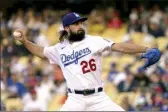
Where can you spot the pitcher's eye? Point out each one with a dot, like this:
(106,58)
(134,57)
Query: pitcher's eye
(77,23)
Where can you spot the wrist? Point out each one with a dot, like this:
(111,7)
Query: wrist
(24,41)
(147,49)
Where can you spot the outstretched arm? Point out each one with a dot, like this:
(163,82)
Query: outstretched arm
(33,48)
(152,55)
(128,48)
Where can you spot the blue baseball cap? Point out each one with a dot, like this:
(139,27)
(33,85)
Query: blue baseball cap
(71,18)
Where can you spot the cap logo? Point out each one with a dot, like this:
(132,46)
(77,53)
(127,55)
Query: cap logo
(76,15)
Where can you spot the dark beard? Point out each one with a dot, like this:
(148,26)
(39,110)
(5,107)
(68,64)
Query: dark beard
(74,37)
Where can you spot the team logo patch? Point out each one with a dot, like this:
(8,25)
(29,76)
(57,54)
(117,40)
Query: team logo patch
(74,57)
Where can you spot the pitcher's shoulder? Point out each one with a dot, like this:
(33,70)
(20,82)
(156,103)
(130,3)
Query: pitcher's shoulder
(93,38)
(87,36)
(59,45)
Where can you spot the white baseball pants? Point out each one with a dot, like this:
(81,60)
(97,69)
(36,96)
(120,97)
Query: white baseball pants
(94,102)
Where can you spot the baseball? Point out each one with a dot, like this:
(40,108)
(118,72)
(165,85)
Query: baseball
(16,34)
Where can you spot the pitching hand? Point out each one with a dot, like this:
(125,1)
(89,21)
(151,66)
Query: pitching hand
(19,35)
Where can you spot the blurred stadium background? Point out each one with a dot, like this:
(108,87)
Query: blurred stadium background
(30,83)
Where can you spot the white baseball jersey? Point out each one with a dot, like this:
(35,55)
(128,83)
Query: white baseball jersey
(80,61)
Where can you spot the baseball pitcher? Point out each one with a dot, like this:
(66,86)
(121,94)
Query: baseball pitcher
(79,56)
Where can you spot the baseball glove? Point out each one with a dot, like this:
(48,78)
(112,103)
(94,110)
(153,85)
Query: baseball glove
(152,56)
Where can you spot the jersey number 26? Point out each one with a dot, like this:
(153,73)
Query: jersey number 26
(88,66)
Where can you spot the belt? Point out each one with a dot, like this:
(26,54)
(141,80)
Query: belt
(85,91)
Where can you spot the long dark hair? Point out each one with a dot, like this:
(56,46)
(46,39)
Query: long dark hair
(63,34)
